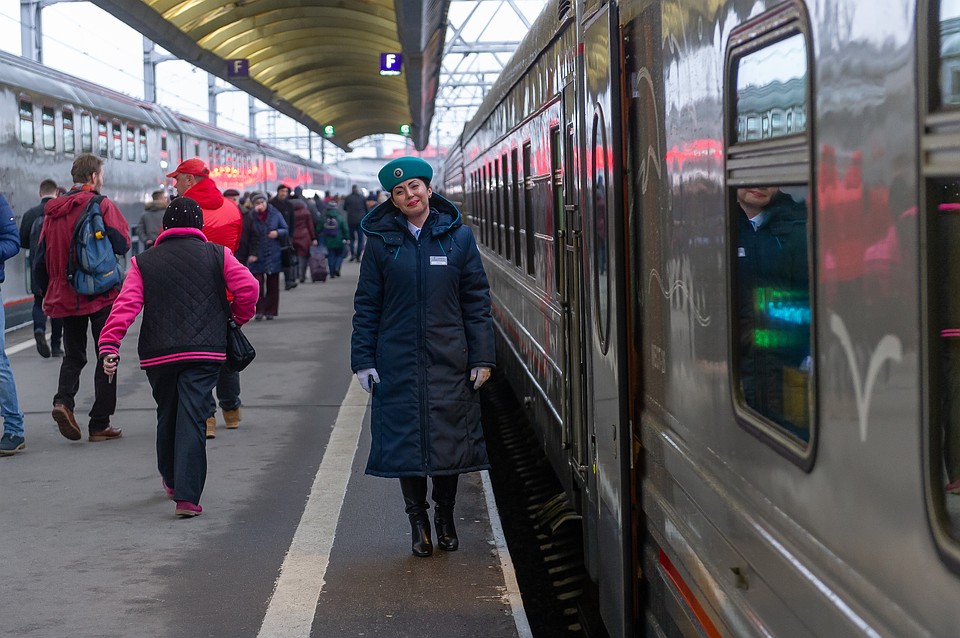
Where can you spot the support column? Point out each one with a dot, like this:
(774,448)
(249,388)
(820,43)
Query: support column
(31,30)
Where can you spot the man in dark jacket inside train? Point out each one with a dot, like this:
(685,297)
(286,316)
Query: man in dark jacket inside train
(222,224)
(774,303)
(423,345)
(60,217)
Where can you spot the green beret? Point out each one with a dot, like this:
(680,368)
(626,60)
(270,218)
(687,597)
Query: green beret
(402,169)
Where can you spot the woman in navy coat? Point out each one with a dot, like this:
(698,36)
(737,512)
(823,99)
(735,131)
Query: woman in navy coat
(423,345)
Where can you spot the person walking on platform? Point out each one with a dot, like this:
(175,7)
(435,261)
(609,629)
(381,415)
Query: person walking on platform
(61,301)
(335,236)
(267,228)
(12,440)
(222,224)
(423,367)
(179,285)
(282,203)
(30,227)
(303,236)
(152,218)
(355,207)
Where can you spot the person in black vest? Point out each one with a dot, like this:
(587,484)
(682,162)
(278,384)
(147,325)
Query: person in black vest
(30,227)
(179,284)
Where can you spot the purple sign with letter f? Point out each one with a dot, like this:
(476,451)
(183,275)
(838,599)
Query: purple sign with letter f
(238,68)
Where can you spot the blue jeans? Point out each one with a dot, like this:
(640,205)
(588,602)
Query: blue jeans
(9,404)
(357,239)
(228,391)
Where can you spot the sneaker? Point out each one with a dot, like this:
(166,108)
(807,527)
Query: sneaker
(186,509)
(167,489)
(11,444)
(42,346)
(258,318)
(66,421)
(212,427)
(270,317)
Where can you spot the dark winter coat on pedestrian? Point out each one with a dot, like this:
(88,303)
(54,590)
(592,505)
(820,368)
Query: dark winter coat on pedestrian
(29,240)
(266,250)
(422,319)
(303,233)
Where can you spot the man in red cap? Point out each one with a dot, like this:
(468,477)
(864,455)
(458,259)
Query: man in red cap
(222,224)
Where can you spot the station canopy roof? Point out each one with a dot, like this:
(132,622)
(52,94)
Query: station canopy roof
(316,61)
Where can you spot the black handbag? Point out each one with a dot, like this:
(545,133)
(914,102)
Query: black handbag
(240,352)
(287,257)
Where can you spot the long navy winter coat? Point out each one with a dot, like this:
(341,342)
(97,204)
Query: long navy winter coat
(266,250)
(422,319)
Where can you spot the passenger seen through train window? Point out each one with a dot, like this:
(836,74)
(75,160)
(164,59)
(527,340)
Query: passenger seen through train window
(773,293)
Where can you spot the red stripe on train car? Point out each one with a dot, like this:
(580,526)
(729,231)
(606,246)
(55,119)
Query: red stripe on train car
(14,302)
(708,627)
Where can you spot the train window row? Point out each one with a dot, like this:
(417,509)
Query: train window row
(109,140)
(501,198)
(768,176)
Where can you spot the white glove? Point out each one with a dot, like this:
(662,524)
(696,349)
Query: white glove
(367,377)
(479,376)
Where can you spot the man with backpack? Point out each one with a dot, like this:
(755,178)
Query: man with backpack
(71,233)
(30,227)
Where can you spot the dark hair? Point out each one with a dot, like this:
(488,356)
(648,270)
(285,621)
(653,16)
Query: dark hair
(48,187)
(85,167)
(156,195)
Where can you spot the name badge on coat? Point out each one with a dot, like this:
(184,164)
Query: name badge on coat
(438,261)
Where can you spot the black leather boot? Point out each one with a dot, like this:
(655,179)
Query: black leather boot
(446,530)
(420,532)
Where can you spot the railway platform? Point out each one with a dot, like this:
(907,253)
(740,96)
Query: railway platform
(294,541)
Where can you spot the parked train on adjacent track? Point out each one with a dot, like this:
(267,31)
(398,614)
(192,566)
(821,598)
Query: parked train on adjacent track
(47,118)
(601,176)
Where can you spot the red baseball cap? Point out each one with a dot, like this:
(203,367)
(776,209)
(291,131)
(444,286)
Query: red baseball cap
(192,166)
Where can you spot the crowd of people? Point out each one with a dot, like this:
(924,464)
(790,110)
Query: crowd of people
(208,259)
(242,243)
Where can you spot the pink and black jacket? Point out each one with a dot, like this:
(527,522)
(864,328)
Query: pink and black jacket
(178,287)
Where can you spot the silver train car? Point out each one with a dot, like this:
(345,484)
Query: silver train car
(746,459)
(47,118)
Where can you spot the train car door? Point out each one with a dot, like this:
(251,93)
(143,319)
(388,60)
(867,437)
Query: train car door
(608,542)
(571,278)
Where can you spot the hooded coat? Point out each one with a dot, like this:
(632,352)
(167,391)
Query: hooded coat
(222,220)
(60,216)
(422,319)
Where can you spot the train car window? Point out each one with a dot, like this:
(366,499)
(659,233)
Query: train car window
(556,184)
(103,144)
(947,56)
(497,208)
(517,214)
(117,140)
(86,133)
(770,223)
(163,141)
(49,130)
(26,123)
(599,186)
(69,141)
(196,148)
(131,143)
(528,209)
(508,213)
(143,144)
(772,82)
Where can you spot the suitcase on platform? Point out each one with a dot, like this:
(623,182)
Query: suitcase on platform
(318,264)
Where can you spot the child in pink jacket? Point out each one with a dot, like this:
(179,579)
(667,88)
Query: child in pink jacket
(178,284)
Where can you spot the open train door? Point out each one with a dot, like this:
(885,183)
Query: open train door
(607,536)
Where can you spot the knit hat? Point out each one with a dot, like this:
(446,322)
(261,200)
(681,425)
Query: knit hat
(402,169)
(183,212)
(257,196)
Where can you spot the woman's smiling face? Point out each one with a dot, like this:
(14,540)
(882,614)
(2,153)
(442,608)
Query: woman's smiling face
(412,197)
